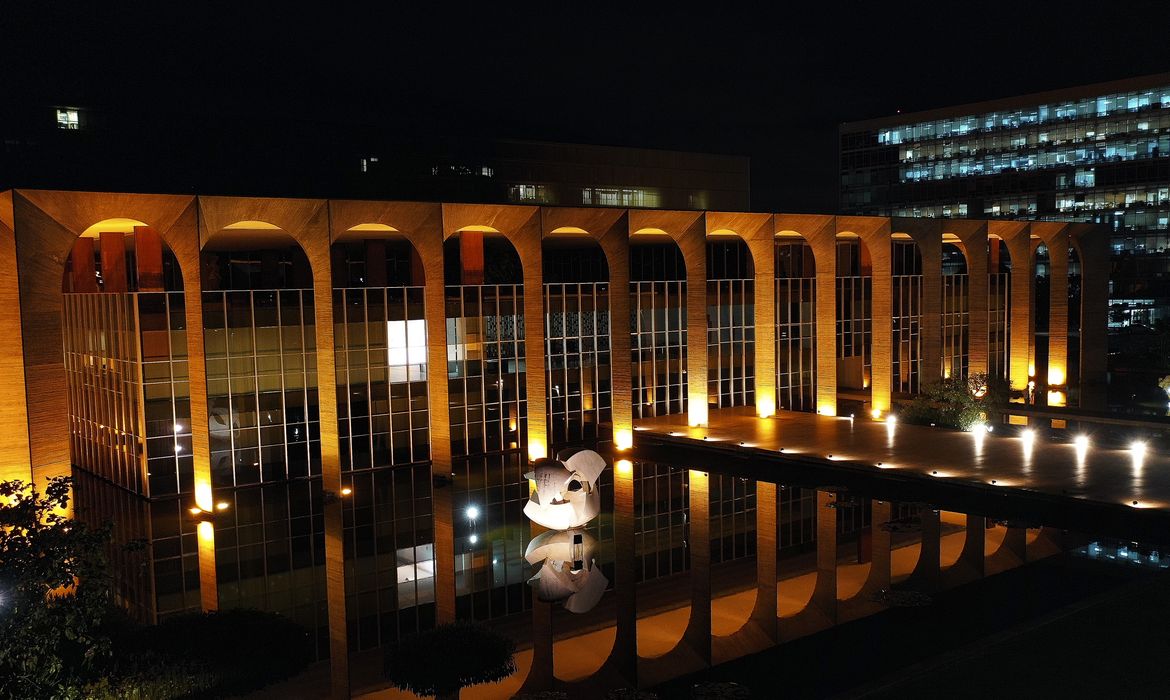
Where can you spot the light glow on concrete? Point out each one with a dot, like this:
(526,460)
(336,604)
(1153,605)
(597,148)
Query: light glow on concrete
(623,439)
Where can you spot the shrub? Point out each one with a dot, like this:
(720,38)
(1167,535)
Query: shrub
(958,403)
(448,658)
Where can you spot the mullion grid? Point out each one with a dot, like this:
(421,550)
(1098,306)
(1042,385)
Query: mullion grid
(906,319)
(854,310)
(265,472)
(567,423)
(955,325)
(98,332)
(504,397)
(999,324)
(730,343)
(659,355)
(661,510)
(733,517)
(795,331)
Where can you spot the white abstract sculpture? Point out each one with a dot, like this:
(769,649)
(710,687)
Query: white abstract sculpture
(566,493)
(569,573)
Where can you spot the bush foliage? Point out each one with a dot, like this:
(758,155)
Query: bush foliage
(61,637)
(959,403)
(449,657)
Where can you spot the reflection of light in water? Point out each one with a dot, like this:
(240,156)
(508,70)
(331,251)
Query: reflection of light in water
(1137,449)
(978,433)
(891,426)
(1081,442)
(472,512)
(1028,441)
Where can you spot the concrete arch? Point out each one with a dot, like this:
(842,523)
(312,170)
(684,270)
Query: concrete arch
(306,221)
(757,231)
(35,255)
(688,230)
(872,262)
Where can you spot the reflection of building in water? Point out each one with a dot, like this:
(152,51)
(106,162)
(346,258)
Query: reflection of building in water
(327,408)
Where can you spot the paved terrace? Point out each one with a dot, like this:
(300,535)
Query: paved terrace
(1052,483)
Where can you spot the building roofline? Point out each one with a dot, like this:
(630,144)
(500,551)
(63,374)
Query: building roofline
(1015,101)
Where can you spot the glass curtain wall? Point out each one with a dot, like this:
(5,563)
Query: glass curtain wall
(658,329)
(796,326)
(906,266)
(383,427)
(854,314)
(731,377)
(577,343)
(260,341)
(485,376)
(955,315)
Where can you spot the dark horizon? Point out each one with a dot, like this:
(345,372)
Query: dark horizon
(771,87)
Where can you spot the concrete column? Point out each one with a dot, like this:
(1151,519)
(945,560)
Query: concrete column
(973,237)
(970,566)
(698,632)
(625,645)
(880,546)
(1092,244)
(767,545)
(1058,243)
(874,233)
(1015,235)
(926,570)
(694,246)
(824,597)
(927,235)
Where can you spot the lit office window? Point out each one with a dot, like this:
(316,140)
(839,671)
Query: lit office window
(68,118)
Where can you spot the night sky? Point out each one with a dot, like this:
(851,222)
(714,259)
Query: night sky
(770,85)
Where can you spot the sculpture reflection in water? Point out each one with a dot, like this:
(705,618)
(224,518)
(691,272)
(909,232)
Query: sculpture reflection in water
(565,499)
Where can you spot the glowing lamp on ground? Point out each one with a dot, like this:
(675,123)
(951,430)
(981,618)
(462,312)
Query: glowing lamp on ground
(765,406)
(876,413)
(1055,376)
(827,410)
(697,414)
(623,439)
(203,497)
(536,449)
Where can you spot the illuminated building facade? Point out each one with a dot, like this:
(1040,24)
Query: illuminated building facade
(1096,153)
(326,408)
